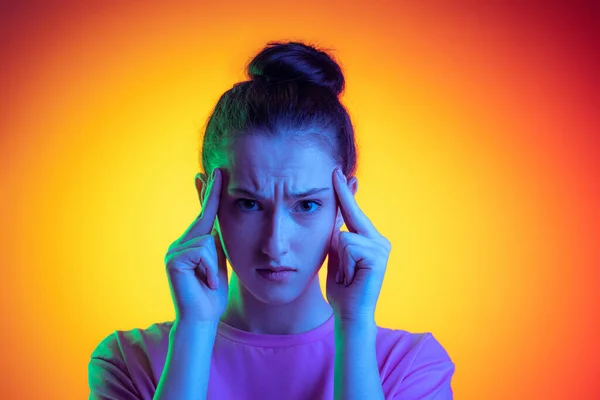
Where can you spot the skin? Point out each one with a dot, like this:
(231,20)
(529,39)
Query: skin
(270,227)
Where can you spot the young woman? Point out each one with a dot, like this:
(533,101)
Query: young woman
(279,158)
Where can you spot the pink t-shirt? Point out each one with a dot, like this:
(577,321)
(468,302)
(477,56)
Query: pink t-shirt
(127,365)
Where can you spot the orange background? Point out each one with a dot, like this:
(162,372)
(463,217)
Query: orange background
(478,129)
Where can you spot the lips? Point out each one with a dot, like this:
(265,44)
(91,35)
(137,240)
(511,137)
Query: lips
(277,269)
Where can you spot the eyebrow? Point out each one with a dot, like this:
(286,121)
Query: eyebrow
(299,195)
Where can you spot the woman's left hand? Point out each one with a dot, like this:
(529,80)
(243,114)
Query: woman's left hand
(357,260)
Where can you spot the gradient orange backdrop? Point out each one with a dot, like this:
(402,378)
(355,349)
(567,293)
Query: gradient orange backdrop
(479,159)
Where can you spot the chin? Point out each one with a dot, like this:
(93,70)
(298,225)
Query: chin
(273,295)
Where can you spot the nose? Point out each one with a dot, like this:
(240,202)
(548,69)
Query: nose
(276,245)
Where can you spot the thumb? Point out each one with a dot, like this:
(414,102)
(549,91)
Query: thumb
(332,256)
(221,257)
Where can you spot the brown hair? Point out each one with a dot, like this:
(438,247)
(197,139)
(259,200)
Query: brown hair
(293,91)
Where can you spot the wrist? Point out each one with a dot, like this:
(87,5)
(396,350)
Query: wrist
(356,327)
(195,327)
(355,321)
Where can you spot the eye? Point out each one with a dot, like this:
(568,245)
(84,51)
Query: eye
(306,206)
(246,204)
(309,209)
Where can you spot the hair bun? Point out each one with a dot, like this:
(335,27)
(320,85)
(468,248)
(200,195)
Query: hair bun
(293,61)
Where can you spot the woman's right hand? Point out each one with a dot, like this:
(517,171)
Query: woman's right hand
(196,265)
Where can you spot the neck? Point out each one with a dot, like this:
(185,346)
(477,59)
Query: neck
(247,313)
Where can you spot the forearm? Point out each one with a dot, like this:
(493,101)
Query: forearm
(356,374)
(186,372)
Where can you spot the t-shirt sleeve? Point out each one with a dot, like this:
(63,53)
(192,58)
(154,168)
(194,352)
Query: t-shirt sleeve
(108,378)
(430,373)
(414,366)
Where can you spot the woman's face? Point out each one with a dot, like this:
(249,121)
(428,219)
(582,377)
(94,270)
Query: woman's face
(267,219)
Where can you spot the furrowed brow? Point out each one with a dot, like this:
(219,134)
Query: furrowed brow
(299,195)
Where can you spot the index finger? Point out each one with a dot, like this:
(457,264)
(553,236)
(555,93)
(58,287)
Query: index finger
(354,217)
(203,224)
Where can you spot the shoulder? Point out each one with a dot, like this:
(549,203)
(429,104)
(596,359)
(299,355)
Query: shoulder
(413,362)
(128,363)
(123,343)
(404,343)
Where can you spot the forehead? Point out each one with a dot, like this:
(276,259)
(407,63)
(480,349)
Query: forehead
(262,161)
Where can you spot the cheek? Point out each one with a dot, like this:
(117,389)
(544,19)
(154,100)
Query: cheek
(314,238)
(236,237)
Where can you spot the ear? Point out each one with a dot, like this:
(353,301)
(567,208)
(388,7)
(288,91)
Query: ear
(201,183)
(353,185)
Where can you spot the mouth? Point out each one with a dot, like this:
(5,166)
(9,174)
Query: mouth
(277,275)
(277,269)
